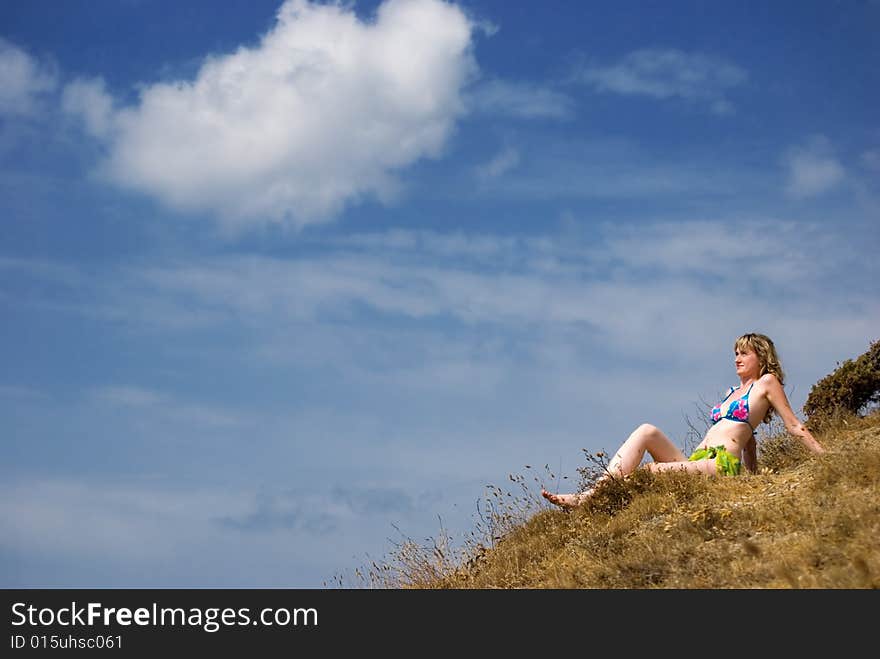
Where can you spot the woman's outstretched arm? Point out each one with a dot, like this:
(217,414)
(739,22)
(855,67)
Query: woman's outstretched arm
(779,401)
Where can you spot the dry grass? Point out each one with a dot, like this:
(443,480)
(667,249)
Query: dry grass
(802,522)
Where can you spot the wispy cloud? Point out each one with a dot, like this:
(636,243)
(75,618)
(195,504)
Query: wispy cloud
(605,168)
(378,500)
(155,534)
(24,81)
(667,73)
(612,282)
(501,163)
(324,111)
(318,513)
(524,100)
(89,100)
(285,511)
(812,169)
(100,519)
(164,406)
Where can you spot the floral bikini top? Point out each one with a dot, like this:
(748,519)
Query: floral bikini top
(737,411)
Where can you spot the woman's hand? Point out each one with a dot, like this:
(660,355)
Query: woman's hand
(777,398)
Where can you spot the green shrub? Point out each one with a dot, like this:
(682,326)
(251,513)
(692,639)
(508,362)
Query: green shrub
(853,386)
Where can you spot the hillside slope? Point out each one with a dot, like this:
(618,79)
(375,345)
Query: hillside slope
(803,522)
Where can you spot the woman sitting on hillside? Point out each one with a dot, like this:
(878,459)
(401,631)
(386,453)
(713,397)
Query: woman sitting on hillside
(730,440)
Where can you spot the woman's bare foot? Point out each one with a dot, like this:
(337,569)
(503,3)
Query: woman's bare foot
(565,500)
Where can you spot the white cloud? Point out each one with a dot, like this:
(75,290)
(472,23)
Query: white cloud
(373,306)
(23,80)
(503,162)
(520,99)
(812,169)
(165,406)
(593,278)
(319,513)
(105,520)
(668,73)
(488,28)
(611,168)
(89,100)
(325,110)
(671,277)
(695,249)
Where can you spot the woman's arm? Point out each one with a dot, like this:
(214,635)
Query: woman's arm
(777,398)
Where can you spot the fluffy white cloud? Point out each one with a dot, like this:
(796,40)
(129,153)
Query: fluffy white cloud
(812,169)
(22,81)
(667,73)
(323,111)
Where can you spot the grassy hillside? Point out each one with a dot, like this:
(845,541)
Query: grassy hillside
(803,522)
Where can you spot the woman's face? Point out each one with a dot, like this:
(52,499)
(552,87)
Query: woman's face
(747,363)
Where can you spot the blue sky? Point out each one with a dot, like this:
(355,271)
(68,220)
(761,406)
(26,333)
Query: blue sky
(277,280)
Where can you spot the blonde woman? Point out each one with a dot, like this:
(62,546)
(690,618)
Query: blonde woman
(730,441)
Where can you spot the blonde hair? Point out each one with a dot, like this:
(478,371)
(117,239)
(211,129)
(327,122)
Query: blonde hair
(768,358)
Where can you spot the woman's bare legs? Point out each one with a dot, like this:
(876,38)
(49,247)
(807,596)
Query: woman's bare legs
(628,458)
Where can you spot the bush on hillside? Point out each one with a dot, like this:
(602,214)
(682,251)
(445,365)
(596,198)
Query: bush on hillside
(853,386)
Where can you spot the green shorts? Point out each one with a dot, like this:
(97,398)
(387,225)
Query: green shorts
(725,463)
